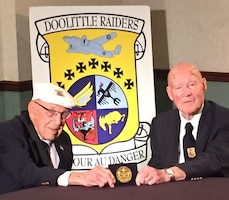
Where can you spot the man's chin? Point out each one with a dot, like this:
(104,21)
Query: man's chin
(53,136)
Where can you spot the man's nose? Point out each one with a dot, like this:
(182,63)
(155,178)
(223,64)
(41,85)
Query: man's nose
(186,91)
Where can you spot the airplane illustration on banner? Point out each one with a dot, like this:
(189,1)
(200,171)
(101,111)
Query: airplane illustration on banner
(85,46)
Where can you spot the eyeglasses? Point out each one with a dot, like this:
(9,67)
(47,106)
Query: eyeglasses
(54,113)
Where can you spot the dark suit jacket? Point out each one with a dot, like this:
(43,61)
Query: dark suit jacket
(23,160)
(212,144)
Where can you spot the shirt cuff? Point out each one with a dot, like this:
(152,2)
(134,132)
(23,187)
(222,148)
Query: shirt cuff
(63,179)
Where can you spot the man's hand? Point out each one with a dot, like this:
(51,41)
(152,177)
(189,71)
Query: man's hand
(97,176)
(150,176)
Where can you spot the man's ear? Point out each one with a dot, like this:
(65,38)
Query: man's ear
(31,109)
(204,84)
(169,93)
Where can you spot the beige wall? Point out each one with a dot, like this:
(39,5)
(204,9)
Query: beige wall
(8,43)
(196,31)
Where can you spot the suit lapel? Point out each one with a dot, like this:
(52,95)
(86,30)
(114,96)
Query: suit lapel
(170,137)
(38,143)
(204,127)
(175,129)
(38,150)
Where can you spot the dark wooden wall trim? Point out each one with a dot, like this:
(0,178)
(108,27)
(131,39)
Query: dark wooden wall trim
(15,86)
(159,73)
(210,76)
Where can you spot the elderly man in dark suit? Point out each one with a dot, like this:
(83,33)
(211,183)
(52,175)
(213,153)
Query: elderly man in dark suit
(24,161)
(207,154)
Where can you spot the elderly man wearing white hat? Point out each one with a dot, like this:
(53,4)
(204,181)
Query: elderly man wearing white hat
(24,161)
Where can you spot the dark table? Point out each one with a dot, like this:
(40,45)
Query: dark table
(205,189)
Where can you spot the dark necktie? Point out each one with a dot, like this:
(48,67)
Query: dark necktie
(47,149)
(189,143)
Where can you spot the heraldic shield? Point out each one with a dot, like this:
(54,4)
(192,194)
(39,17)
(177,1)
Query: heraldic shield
(97,66)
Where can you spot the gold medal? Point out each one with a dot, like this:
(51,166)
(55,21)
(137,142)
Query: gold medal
(124,174)
(191,152)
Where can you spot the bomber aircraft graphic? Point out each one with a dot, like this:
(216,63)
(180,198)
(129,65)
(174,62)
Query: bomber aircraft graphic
(95,46)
